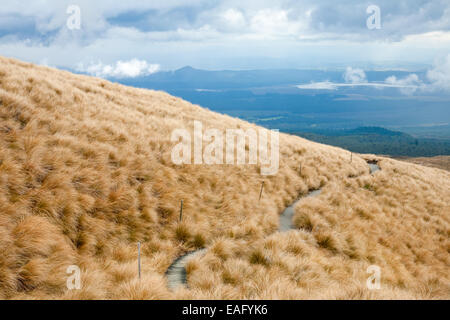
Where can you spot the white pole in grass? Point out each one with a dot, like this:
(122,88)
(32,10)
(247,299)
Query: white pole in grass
(139,260)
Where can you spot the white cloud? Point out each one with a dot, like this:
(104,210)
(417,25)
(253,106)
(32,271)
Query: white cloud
(411,79)
(355,75)
(438,80)
(121,69)
(439,76)
(275,23)
(357,78)
(327,85)
(225,34)
(324,85)
(234,18)
(408,85)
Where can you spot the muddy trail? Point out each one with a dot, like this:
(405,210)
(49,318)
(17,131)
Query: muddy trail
(176,273)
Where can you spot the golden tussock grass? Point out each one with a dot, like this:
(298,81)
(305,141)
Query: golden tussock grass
(441,162)
(86,173)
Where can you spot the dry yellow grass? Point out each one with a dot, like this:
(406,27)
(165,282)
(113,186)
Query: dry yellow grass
(441,162)
(86,173)
(396,219)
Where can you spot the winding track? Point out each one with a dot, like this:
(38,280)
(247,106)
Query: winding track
(176,273)
(288,213)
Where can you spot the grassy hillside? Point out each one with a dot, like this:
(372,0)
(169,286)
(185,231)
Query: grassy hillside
(86,173)
(441,162)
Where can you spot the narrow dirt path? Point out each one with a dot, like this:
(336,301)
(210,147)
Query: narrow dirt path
(374,168)
(176,273)
(288,213)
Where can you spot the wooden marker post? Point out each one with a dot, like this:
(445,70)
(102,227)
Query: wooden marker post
(181,211)
(260,193)
(139,260)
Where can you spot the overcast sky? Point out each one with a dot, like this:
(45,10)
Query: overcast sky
(213,34)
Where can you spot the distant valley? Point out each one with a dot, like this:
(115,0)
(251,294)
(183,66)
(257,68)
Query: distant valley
(272,98)
(381,141)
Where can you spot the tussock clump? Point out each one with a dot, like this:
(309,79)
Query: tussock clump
(149,287)
(304,221)
(258,257)
(182,233)
(327,240)
(199,241)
